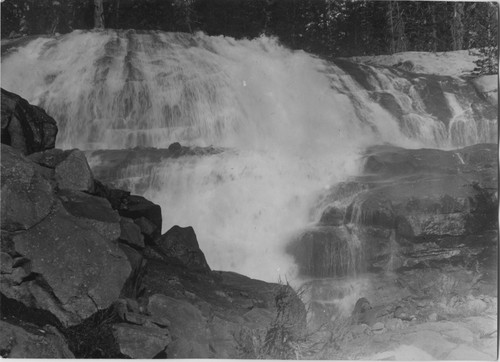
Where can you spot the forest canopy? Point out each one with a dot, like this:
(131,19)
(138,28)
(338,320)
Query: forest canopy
(330,28)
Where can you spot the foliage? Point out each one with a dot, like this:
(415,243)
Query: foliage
(325,27)
(288,337)
(93,338)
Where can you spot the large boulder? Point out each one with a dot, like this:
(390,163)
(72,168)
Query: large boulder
(29,341)
(144,342)
(26,127)
(188,327)
(69,169)
(92,212)
(27,198)
(144,213)
(82,271)
(181,245)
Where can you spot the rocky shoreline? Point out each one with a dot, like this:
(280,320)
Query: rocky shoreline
(87,272)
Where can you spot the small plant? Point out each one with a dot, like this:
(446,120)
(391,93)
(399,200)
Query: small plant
(93,338)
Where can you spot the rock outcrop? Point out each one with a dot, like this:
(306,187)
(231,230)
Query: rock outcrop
(26,340)
(26,127)
(62,241)
(411,208)
(86,272)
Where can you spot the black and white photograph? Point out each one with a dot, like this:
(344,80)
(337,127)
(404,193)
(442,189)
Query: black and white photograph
(249,179)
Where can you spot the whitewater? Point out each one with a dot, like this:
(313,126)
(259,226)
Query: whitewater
(290,125)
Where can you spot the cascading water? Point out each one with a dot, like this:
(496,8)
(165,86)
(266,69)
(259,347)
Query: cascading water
(289,124)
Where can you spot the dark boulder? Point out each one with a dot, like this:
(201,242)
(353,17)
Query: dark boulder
(70,168)
(181,244)
(26,127)
(27,197)
(92,212)
(76,271)
(131,233)
(141,341)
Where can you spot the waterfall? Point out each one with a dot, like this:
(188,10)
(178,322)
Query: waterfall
(289,124)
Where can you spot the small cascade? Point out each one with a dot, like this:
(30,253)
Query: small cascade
(442,112)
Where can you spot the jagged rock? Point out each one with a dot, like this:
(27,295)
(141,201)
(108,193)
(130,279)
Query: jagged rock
(27,198)
(74,172)
(147,228)
(92,212)
(84,271)
(142,342)
(25,127)
(29,341)
(181,244)
(70,168)
(188,327)
(131,233)
(137,206)
(332,216)
(50,158)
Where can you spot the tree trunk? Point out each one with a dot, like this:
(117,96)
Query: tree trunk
(457,26)
(98,14)
(391,27)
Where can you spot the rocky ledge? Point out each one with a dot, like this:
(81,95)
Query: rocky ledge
(410,209)
(86,271)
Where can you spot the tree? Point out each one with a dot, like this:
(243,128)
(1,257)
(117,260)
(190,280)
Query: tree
(98,14)
(457,26)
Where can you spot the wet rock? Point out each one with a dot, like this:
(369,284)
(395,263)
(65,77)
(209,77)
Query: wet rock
(332,216)
(326,251)
(378,328)
(27,198)
(410,209)
(143,342)
(28,341)
(175,147)
(182,244)
(25,127)
(84,280)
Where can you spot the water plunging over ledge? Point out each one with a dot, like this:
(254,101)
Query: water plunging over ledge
(290,124)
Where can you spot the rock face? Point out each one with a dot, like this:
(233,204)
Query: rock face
(27,197)
(69,169)
(64,255)
(181,245)
(28,341)
(25,127)
(410,209)
(84,266)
